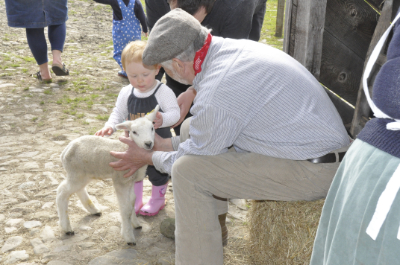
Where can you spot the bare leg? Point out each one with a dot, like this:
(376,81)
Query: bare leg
(44,71)
(56,57)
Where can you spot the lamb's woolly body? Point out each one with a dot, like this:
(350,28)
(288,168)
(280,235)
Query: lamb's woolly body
(88,158)
(91,155)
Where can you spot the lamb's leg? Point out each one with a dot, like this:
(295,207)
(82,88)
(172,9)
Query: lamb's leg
(87,202)
(134,219)
(64,191)
(125,208)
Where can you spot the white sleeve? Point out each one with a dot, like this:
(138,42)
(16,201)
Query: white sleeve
(169,105)
(120,111)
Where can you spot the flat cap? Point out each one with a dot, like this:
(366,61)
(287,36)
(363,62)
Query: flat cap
(170,36)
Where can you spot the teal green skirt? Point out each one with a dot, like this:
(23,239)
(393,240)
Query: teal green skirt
(351,203)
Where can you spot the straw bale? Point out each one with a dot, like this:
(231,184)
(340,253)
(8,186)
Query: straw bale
(283,232)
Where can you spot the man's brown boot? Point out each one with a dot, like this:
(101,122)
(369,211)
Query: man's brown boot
(224,229)
(167,228)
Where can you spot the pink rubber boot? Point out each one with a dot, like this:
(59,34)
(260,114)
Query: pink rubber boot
(138,188)
(156,202)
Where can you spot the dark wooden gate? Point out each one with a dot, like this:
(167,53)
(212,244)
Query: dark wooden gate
(334,39)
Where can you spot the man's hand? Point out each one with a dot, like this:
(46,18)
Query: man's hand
(133,158)
(185,100)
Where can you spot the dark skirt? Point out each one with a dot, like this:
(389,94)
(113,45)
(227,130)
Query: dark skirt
(36,13)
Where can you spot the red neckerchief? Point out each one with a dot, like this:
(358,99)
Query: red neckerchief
(201,54)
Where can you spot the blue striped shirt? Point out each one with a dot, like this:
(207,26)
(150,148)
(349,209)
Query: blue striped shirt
(258,99)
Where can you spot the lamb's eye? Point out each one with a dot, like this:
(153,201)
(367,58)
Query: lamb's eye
(134,132)
(152,129)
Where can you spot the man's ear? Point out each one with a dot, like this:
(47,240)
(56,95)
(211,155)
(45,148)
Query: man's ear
(178,66)
(158,68)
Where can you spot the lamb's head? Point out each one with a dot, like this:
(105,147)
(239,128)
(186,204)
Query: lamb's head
(141,130)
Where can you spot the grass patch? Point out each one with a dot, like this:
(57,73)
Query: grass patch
(269,25)
(27,59)
(103,117)
(69,112)
(106,44)
(48,92)
(92,131)
(112,95)
(62,82)
(34,119)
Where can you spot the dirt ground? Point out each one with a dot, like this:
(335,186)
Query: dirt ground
(37,121)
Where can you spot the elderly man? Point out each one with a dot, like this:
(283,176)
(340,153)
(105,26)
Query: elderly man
(236,19)
(262,128)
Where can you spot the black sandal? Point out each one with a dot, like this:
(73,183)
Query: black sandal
(39,77)
(59,69)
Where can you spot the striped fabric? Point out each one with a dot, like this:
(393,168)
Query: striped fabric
(260,100)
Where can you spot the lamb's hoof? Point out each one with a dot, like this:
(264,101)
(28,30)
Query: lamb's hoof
(139,227)
(70,233)
(97,214)
(132,244)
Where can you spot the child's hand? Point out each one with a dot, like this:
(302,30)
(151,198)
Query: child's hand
(158,121)
(145,33)
(104,131)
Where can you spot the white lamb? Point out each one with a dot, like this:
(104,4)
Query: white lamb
(88,157)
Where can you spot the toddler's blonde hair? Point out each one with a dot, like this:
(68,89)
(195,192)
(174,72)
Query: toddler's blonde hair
(133,52)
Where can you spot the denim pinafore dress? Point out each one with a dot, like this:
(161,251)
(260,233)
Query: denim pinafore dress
(125,30)
(138,107)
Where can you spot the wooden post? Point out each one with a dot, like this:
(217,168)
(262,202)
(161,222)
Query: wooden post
(363,111)
(306,26)
(279,18)
(289,34)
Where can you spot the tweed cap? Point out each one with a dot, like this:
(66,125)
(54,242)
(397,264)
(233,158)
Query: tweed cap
(170,36)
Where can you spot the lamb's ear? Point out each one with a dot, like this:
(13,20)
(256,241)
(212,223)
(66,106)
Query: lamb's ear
(152,115)
(126,125)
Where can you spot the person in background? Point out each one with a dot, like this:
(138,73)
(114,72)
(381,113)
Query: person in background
(34,16)
(236,19)
(262,128)
(135,100)
(360,220)
(128,15)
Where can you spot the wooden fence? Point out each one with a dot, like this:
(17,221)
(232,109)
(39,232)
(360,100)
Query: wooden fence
(333,39)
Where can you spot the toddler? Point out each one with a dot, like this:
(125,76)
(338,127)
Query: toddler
(127,17)
(135,100)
